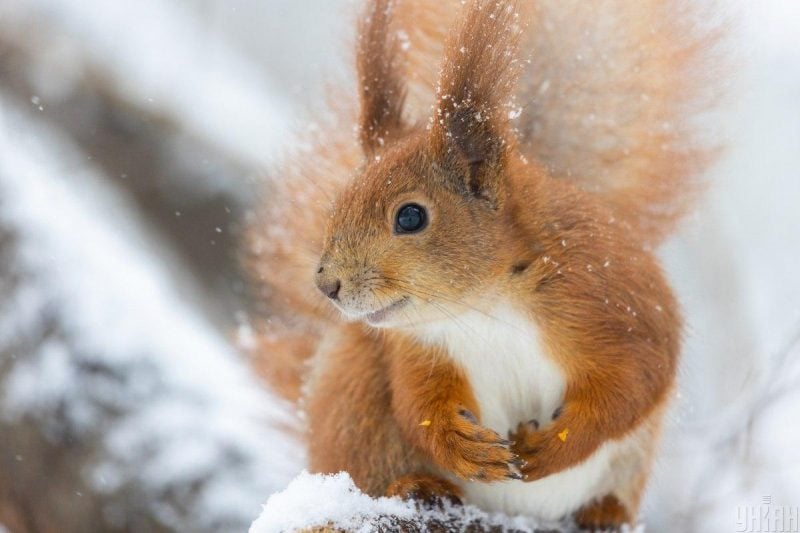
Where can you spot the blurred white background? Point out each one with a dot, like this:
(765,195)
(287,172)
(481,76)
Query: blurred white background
(133,138)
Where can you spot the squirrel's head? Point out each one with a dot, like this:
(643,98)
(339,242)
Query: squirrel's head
(416,235)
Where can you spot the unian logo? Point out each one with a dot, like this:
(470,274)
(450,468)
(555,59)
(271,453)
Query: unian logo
(768,517)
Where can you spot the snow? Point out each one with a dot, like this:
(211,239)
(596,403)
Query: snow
(333,500)
(316,500)
(127,342)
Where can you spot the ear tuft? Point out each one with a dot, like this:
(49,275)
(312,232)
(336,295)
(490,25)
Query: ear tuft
(380,74)
(470,126)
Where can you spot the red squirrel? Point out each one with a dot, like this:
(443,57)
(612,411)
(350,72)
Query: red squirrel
(466,302)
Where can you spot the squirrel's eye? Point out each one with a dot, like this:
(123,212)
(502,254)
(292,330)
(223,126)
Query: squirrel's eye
(411,218)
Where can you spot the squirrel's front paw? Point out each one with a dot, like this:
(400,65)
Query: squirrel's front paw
(459,444)
(536,449)
(550,450)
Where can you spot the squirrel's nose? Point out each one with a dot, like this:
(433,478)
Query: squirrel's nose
(330,288)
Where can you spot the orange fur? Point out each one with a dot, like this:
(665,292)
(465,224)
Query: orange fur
(355,368)
(551,215)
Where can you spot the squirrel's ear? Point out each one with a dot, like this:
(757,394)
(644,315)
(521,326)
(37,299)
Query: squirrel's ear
(469,131)
(379,62)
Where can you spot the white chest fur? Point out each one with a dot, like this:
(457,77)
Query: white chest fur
(514,381)
(501,353)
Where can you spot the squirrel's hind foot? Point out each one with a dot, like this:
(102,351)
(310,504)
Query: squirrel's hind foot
(606,514)
(425,488)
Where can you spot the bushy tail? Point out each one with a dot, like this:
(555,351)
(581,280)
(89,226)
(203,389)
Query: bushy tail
(615,89)
(609,97)
(283,246)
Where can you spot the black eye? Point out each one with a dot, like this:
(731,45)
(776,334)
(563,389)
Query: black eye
(411,218)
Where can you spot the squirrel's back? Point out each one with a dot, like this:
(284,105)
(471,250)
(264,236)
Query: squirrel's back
(609,97)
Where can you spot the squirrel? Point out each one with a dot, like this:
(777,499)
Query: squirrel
(465,298)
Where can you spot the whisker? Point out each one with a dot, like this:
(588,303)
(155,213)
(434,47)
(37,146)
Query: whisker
(450,315)
(425,294)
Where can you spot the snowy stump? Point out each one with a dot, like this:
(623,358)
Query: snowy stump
(332,503)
